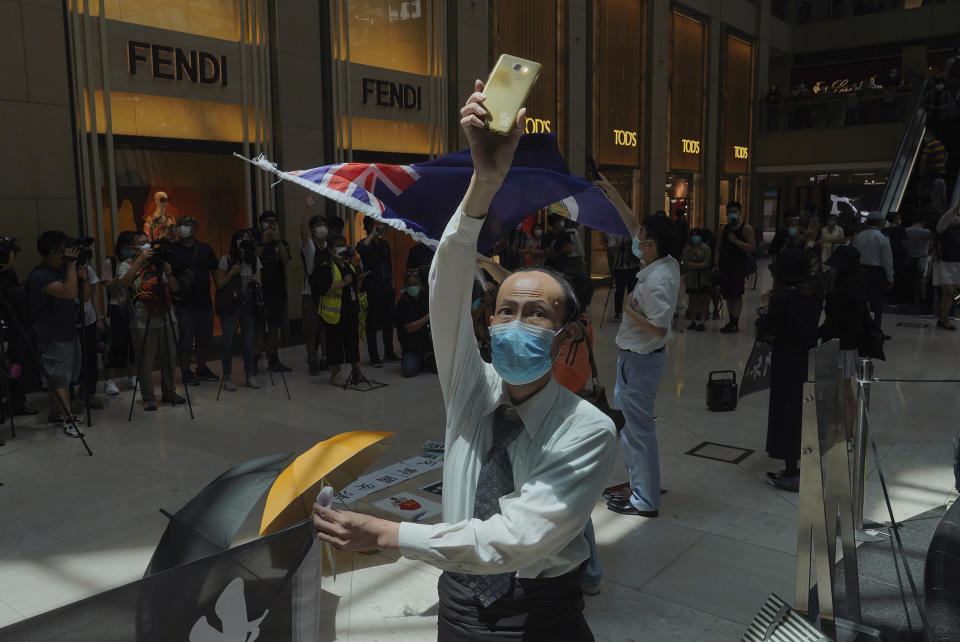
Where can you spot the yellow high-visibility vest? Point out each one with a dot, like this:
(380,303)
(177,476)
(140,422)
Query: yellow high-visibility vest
(330,303)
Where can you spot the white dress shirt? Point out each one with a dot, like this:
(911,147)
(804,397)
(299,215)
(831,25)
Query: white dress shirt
(655,297)
(561,460)
(875,250)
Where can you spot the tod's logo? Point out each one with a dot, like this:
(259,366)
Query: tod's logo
(690,146)
(537,126)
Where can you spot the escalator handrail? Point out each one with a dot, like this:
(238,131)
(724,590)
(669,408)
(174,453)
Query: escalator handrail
(897,181)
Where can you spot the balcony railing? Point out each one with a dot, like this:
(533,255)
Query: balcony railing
(862,106)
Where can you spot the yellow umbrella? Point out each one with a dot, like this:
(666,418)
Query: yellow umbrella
(337,462)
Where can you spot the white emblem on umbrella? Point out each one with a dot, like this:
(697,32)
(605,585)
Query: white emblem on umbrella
(231,608)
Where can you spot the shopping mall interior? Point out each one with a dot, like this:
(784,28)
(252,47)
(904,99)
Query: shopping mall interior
(770,130)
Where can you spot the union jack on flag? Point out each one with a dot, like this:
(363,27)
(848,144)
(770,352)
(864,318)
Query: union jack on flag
(419,199)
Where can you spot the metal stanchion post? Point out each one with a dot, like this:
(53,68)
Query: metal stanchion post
(864,379)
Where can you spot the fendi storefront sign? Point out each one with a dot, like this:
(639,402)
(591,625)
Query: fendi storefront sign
(388,94)
(173,63)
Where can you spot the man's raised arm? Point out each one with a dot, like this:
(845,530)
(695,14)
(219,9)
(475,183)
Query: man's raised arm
(451,274)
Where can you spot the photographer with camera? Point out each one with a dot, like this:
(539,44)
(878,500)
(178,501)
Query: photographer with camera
(91,326)
(120,353)
(15,348)
(150,282)
(375,254)
(238,293)
(313,250)
(193,261)
(53,291)
(340,309)
(274,253)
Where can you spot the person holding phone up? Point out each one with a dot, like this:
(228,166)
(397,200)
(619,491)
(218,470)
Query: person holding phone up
(526,458)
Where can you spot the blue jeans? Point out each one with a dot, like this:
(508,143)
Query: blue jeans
(413,362)
(228,324)
(593,573)
(638,377)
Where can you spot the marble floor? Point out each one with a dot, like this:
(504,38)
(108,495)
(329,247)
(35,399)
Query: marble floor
(76,525)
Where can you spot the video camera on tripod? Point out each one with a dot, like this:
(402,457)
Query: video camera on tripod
(84,245)
(162,251)
(8,244)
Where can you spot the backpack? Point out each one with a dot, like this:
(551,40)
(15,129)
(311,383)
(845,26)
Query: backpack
(145,290)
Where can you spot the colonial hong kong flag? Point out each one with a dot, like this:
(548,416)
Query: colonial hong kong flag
(419,199)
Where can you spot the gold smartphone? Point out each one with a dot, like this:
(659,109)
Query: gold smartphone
(507,90)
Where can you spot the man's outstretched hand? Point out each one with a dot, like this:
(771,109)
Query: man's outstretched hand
(349,531)
(492,152)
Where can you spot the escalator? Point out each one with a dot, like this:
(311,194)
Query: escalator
(903,189)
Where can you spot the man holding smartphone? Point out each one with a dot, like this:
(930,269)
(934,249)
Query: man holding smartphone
(526,458)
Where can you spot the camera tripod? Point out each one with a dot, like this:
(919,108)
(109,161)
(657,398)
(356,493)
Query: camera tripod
(5,375)
(253,292)
(168,334)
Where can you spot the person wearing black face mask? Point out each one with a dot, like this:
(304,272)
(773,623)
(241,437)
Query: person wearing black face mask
(731,260)
(413,329)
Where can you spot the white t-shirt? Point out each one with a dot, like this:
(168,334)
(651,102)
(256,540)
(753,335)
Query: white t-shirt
(835,235)
(655,297)
(309,250)
(246,270)
(89,311)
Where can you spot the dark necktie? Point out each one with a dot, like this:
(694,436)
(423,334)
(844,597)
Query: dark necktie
(495,481)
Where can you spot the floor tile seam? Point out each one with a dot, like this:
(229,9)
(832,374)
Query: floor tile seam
(724,617)
(766,548)
(674,558)
(733,507)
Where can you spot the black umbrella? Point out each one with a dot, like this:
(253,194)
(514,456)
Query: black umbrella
(244,593)
(207,524)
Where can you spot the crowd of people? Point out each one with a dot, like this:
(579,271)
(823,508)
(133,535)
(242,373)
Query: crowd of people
(155,300)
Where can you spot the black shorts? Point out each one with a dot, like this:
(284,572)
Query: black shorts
(732,283)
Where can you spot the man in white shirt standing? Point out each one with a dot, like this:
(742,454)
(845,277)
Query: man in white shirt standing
(526,459)
(876,257)
(642,339)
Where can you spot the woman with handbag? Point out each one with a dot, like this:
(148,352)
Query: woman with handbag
(235,305)
(790,324)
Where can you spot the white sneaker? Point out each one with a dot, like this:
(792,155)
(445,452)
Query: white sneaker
(71,429)
(339,380)
(110,388)
(229,385)
(252,382)
(132,382)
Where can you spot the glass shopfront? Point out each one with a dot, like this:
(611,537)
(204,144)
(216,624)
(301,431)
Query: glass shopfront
(533,29)
(686,147)
(166,95)
(389,76)
(618,27)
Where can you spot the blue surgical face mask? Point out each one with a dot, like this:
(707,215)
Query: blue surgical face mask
(695,240)
(733,217)
(521,352)
(413,290)
(637,252)
(125,253)
(792,231)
